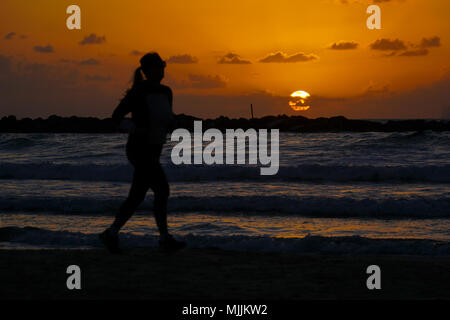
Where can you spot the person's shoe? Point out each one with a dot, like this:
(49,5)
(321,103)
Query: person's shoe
(110,241)
(171,245)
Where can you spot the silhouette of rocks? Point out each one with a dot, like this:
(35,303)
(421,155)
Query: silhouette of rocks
(74,124)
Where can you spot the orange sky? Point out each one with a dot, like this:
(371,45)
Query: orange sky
(362,82)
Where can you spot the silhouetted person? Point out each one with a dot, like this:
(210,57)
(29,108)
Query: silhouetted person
(150,104)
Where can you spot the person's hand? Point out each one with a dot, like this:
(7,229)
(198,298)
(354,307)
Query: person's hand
(126,125)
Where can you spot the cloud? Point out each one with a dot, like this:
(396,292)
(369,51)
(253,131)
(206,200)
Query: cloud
(343,45)
(414,53)
(398,45)
(233,106)
(280,57)
(232,58)
(378,102)
(88,62)
(44,49)
(207,81)
(430,42)
(182,59)
(388,44)
(376,89)
(5,65)
(10,35)
(97,77)
(428,101)
(197,81)
(136,53)
(38,90)
(92,39)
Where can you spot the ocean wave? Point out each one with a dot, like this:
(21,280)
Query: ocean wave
(14,236)
(405,140)
(311,206)
(199,173)
(407,144)
(14,144)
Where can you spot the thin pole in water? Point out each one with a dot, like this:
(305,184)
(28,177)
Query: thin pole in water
(251,108)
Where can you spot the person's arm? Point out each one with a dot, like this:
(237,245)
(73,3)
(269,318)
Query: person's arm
(125,106)
(170,95)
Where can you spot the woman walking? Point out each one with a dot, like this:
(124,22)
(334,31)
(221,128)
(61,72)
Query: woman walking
(150,105)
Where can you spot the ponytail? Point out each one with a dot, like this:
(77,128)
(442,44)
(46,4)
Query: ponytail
(138,77)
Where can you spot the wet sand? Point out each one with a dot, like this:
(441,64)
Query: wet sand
(214,274)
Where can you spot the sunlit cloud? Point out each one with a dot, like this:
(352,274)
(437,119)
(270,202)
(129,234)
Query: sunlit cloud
(197,81)
(50,89)
(430,42)
(280,57)
(87,62)
(343,45)
(182,59)
(9,35)
(92,39)
(136,53)
(414,53)
(388,44)
(207,82)
(44,49)
(232,58)
(99,78)
(414,50)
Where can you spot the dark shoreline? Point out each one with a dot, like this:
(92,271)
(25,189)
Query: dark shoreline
(214,274)
(74,124)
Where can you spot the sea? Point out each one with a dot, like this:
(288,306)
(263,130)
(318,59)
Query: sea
(338,193)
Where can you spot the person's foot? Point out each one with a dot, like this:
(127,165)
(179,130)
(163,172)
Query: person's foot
(110,241)
(169,244)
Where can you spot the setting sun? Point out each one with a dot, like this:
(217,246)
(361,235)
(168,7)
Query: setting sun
(299,101)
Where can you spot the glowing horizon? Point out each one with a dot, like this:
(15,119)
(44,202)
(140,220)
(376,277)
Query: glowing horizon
(219,61)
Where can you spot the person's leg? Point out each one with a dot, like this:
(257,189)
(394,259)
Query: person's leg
(160,187)
(139,187)
(136,196)
(161,190)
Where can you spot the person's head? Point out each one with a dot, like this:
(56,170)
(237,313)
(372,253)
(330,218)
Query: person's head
(152,66)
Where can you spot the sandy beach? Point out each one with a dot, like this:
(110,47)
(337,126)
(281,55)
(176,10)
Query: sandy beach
(214,274)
